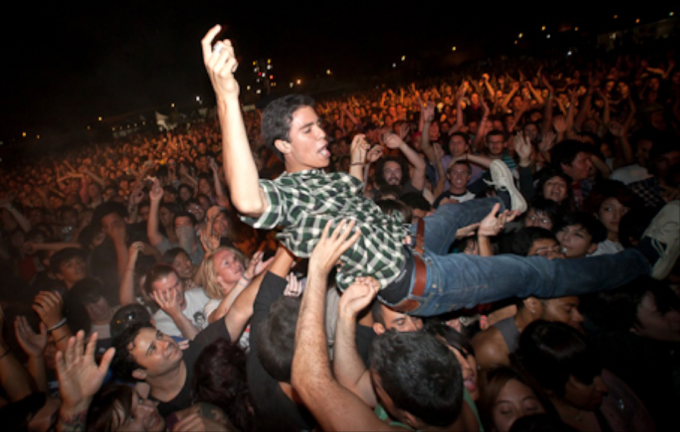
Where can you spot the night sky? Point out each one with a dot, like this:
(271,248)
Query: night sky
(65,65)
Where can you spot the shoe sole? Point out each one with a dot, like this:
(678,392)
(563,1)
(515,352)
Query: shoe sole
(502,177)
(669,214)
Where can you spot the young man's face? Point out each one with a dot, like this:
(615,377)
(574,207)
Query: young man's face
(397,321)
(459,176)
(564,310)
(576,241)
(172,285)
(155,352)
(392,173)
(308,148)
(580,168)
(72,270)
(496,144)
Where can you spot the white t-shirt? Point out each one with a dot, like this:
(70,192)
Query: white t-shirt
(607,247)
(196,300)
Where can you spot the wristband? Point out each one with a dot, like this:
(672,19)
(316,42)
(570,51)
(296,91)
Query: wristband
(57,325)
(246,279)
(357,163)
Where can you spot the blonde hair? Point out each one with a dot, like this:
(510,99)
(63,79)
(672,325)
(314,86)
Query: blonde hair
(206,276)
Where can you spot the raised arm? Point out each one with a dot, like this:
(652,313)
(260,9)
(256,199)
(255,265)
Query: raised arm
(239,167)
(348,367)
(333,406)
(155,196)
(418,179)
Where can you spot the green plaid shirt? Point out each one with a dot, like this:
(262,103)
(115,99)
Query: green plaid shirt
(302,203)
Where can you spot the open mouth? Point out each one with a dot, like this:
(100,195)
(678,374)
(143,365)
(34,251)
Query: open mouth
(325,152)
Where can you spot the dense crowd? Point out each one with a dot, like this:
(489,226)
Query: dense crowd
(140,292)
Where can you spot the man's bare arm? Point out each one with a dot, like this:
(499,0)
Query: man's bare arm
(333,406)
(239,167)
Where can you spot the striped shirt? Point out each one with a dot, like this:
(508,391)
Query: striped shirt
(302,203)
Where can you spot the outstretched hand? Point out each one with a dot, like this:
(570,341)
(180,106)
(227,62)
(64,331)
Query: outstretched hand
(494,223)
(332,245)
(358,296)
(79,375)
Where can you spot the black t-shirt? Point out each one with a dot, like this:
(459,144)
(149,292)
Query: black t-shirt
(210,334)
(273,409)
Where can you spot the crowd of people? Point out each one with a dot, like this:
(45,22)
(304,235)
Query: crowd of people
(491,250)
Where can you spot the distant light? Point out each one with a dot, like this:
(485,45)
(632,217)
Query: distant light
(548,37)
(403,58)
(248,88)
(254,63)
(269,61)
(269,67)
(543,28)
(290,85)
(616,16)
(453,49)
(515,42)
(172,105)
(394,65)
(298,82)
(637,21)
(671,14)
(198,98)
(255,70)
(23,134)
(328,72)
(575,28)
(258,91)
(88,127)
(37,137)
(100,119)
(273,84)
(568,53)
(521,35)
(271,77)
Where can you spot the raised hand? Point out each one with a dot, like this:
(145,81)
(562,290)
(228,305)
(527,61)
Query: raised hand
(359,148)
(156,193)
(167,300)
(547,141)
(256,266)
(332,245)
(494,223)
(374,154)
(523,148)
(358,296)
(221,64)
(79,376)
(392,140)
(48,305)
(31,342)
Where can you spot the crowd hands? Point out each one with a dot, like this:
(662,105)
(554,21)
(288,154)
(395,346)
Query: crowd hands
(131,282)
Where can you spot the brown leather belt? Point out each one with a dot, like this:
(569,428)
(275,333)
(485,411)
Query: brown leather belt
(408,305)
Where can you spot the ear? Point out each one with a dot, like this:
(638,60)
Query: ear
(283,146)
(139,374)
(592,248)
(412,420)
(533,305)
(378,328)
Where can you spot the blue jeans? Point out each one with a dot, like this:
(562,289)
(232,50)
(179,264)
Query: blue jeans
(456,281)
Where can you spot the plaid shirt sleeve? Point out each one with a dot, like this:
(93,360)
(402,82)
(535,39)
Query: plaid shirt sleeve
(277,206)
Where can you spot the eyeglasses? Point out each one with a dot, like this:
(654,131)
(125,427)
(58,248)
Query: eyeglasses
(543,221)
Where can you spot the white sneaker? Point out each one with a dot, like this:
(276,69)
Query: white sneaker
(664,231)
(503,181)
